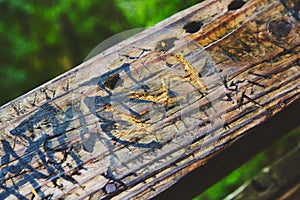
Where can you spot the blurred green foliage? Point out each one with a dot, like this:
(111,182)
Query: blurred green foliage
(42,39)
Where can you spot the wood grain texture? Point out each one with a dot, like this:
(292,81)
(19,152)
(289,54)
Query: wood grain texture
(130,122)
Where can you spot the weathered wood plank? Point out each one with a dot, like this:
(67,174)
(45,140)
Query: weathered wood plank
(131,121)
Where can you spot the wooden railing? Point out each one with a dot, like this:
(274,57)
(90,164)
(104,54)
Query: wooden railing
(132,121)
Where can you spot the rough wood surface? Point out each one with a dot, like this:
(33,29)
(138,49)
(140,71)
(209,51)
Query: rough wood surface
(133,120)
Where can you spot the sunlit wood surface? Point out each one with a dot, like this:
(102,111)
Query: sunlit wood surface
(133,120)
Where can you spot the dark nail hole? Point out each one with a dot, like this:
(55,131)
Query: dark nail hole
(236,4)
(192,27)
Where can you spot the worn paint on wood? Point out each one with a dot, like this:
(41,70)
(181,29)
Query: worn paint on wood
(131,121)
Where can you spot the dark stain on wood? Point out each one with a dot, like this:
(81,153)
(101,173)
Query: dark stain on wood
(166,44)
(280,28)
(113,81)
